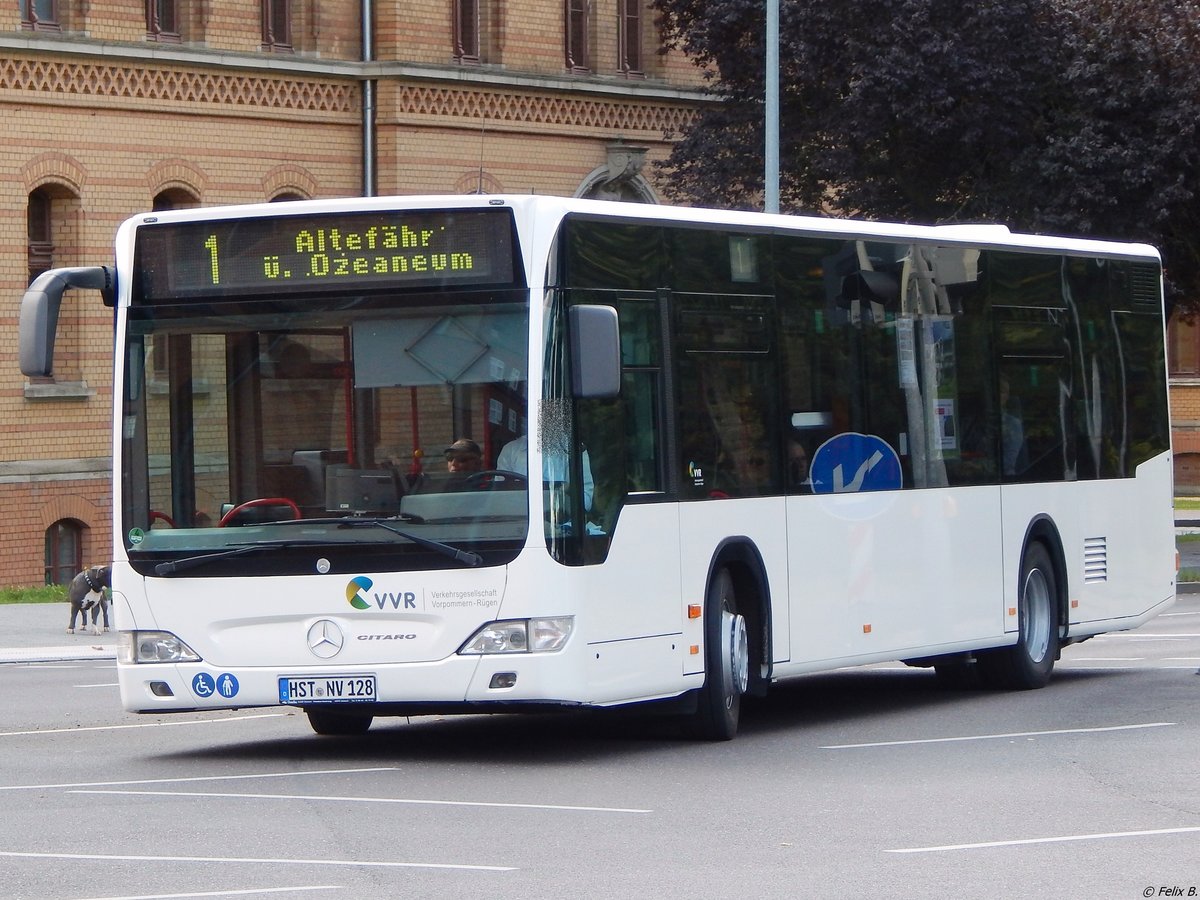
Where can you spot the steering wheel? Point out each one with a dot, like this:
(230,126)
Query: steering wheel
(496,480)
(261,501)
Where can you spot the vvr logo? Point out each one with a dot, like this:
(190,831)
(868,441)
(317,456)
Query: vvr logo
(360,585)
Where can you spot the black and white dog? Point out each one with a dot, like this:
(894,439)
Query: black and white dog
(88,593)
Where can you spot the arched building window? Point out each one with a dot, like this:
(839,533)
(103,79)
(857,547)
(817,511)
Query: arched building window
(466,30)
(40,15)
(175,198)
(577,36)
(277,26)
(162,21)
(64,550)
(52,219)
(629,37)
(41,232)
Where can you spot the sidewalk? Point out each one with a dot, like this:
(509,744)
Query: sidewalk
(37,632)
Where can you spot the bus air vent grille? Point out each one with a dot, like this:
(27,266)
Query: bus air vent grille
(1143,286)
(1095,560)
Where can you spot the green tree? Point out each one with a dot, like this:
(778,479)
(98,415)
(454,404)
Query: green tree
(1068,116)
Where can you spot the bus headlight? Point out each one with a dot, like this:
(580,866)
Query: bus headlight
(521,636)
(153,647)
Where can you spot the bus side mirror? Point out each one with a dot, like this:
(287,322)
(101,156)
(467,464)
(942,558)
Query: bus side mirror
(595,351)
(39,312)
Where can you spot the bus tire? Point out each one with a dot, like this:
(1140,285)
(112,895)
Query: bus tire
(338,724)
(1027,664)
(726,662)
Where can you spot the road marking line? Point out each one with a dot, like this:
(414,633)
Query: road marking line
(307,797)
(244,892)
(1149,668)
(195,778)
(1049,840)
(143,725)
(994,737)
(40,665)
(1127,635)
(1107,658)
(110,684)
(350,863)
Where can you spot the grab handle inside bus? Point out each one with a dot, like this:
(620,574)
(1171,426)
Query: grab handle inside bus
(595,351)
(39,311)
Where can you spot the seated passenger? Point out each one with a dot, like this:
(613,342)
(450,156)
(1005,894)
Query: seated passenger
(514,455)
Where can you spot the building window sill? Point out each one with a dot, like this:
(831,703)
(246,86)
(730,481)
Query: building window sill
(58,390)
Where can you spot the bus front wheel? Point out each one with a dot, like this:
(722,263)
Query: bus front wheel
(1027,664)
(338,724)
(726,662)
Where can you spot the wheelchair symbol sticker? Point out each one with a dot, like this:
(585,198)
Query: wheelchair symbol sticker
(203,685)
(225,684)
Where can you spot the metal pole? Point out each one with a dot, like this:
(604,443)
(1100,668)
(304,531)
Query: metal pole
(771,112)
(368,101)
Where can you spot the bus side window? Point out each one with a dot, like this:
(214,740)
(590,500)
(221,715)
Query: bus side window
(728,401)
(641,388)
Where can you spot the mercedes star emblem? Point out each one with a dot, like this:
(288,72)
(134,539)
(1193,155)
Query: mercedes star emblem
(325,639)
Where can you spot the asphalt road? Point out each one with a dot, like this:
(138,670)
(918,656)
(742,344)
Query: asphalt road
(871,782)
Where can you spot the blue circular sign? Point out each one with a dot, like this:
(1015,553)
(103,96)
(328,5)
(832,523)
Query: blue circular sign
(203,685)
(853,462)
(227,685)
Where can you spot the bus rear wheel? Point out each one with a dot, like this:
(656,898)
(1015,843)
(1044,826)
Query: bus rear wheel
(1027,664)
(726,662)
(338,724)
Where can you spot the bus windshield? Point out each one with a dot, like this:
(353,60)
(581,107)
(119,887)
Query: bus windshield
(288,426)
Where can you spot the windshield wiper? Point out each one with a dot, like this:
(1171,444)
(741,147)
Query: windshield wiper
(340,520)
(191,562)
(466,557)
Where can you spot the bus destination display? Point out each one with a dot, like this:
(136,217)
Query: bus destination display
(303,254)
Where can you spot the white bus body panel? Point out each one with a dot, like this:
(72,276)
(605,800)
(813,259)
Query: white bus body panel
(892,574)
(1119,551)
(415,621)
(705,525)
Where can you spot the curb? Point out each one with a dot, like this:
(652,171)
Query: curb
(56,654)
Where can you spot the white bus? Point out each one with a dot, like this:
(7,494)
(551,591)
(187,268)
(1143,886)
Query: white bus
(760,446)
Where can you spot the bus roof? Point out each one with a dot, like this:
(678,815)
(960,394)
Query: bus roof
(988,235)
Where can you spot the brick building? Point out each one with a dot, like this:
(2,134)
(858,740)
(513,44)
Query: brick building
(111,107)
(1183,361)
